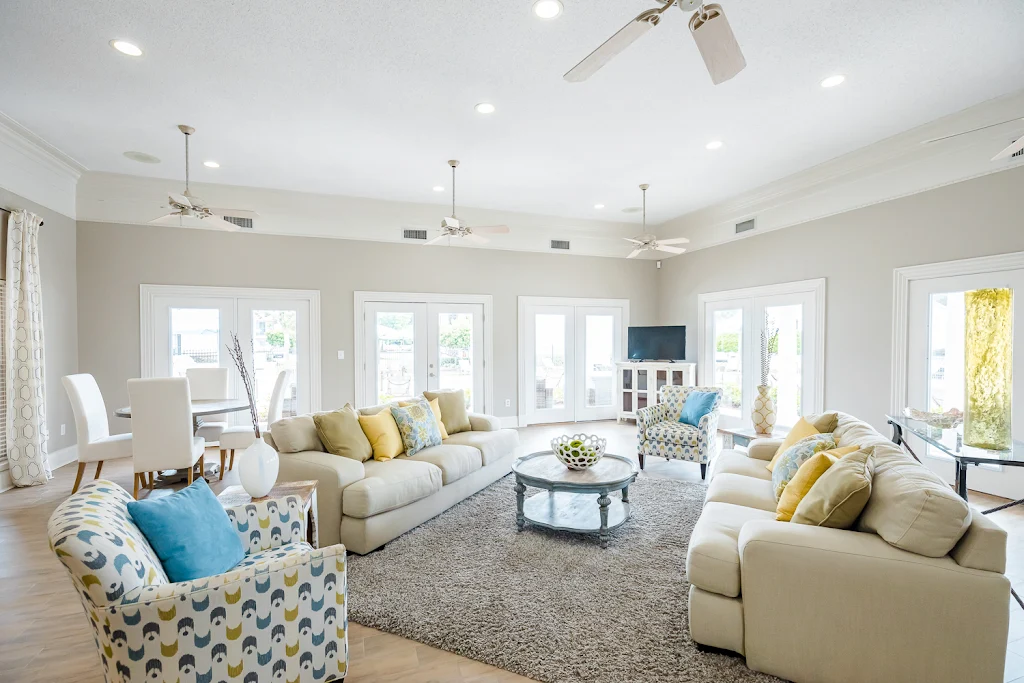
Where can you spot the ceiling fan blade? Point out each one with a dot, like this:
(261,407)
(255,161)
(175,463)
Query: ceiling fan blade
(236,213)
(476,238)
(625,37)
(491,229)
(1015,146)
(967,132)
(675,240)
(218,222)
(169,219)
(670,250)
(179,199)
(436,239)
(630,239)
(634,253)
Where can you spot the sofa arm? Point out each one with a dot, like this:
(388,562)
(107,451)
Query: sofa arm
(298,602)
(887,614)
(763,449)
(268,524)
(484,423)
(334,473)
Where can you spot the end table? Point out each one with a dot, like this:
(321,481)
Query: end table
(304,490)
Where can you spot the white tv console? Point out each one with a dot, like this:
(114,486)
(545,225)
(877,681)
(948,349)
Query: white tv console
(637,383)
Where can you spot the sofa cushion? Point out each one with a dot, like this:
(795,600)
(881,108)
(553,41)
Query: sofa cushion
(454,460)
(389,485)
(296,434)
(737,489)
(787,464)
(839,495)
(983,546)
(453,409)
(801,483)
(713,558)
(735,462)
(675,433)
(340,433)
(800,430)
(911,507)
(382,432)
(493,446)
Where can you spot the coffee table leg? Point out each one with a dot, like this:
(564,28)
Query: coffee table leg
(603,500)
(520,498)
(625,494)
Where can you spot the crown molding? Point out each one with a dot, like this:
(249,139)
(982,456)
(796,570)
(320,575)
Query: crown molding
(36,170)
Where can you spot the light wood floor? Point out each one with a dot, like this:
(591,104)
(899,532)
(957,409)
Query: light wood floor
(45,635)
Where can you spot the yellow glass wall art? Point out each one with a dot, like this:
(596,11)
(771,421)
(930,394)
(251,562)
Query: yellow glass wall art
(988,368)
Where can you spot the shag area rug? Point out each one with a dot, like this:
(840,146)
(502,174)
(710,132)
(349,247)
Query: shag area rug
(548,605)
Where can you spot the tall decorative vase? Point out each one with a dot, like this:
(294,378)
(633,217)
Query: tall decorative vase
(764,411)
(257,469)
(988,368)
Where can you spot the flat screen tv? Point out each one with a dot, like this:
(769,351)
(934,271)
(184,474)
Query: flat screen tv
(667,342)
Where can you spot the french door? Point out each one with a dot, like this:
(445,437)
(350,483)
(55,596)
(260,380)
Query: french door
(570,351)
(412,347)
(279,330)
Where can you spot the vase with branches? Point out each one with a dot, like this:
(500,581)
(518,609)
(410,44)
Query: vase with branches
(258,467)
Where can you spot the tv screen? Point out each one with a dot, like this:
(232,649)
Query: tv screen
(667,342)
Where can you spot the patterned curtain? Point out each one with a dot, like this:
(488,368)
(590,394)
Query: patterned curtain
(26,381)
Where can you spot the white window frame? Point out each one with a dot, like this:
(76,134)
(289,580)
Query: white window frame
(147,321)
(815,287)
(360,299)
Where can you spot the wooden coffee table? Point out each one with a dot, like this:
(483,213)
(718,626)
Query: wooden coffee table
(304,490)
(573,500)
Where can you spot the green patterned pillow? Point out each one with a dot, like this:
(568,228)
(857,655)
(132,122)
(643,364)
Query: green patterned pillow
(417,425)
(789,462)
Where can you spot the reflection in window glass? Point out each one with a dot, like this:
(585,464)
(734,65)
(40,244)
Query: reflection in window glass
(395,355)
(550,364)
(599,360)
(946,352)
(728,370)
(784,327)
(455,353)
(195,339)
(274,350)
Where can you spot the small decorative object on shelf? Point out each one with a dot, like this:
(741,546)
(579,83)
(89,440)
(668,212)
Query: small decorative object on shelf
(763,413)
(988,368)
(579,451)
(947,420)
(257,468)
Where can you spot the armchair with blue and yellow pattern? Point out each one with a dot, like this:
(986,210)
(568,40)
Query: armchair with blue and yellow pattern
(660,433)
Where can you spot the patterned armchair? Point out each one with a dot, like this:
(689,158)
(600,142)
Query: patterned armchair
(279,615)
(660,433)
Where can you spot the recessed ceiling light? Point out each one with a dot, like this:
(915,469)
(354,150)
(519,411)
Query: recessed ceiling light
(438,188)
(714,144)
(833,81)
(211,164)
(124,47)
(598,206)
(142,157)
(485,108)
(547,9)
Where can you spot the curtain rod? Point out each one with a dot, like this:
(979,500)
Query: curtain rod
(41,223)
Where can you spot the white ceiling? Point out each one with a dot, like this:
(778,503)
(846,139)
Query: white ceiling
(369,99)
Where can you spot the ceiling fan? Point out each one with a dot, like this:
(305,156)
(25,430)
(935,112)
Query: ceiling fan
(708,26)
(188,211)
(649,242)
(451,226)
(1014,148)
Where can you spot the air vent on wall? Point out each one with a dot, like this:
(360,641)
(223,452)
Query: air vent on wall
(1018,154)
(745,226)
(560,244)
(243,223)
(414,234)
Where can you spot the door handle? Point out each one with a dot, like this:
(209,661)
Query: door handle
(432,374)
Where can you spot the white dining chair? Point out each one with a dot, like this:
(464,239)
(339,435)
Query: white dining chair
(162,428)
(240,438)
(95,442)
(209,384)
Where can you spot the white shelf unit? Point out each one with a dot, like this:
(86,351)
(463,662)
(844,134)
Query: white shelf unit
(637,384)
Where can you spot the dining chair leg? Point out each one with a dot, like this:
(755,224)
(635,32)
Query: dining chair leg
(231,465)
(223,459)
(151,477)
(135,486)
(191,475)
(99,466)
(78,479)
(202,465)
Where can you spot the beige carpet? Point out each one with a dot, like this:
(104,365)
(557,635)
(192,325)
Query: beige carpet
(551,606)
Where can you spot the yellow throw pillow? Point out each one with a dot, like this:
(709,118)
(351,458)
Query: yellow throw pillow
(804,479)
(341,433)
(382,431)
(453,409)
(435,408)
(801,430)
(839,496)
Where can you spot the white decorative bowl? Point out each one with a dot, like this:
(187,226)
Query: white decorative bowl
(579,451)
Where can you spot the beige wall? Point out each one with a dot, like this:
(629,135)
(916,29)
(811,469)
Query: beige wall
(115,259)
(856,252)
(60,311)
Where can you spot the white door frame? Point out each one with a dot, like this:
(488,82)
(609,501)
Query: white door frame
(815,287)
(359,332)
(148,294)
(525,301)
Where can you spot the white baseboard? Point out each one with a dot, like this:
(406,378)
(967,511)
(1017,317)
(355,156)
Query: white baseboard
(5,480)
(509,421)
(58,458)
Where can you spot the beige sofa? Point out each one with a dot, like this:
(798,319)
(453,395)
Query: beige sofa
(916,592)
(366,504)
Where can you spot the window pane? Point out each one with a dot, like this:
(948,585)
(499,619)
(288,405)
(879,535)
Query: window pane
(946,352)
(274,350)
(455,353)
(395,357)
(728,370)
(784,327)
(550,370)
(599,360)
(195,339)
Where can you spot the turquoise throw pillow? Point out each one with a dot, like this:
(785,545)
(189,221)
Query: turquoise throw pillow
(698,404)
(417,425)
(797,454)
(190,532)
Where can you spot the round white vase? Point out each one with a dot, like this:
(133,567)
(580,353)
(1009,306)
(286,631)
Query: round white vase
(257,468)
